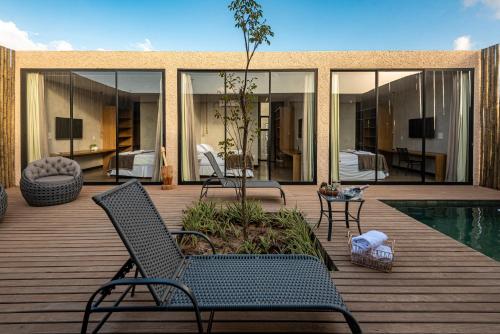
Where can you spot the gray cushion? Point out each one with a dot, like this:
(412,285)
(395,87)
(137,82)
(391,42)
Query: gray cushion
(51,166)
(55,179)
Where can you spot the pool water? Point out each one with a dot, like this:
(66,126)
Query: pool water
(473,223)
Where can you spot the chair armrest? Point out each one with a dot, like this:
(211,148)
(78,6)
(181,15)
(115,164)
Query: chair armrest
(146,281)
(215,179)
(197,234)
(131,283)
(220,179)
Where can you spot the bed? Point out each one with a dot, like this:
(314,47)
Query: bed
(206,169)
(134,164)
(350,166)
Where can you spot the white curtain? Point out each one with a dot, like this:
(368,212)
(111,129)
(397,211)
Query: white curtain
(189,156)
(463,159)
(335,130)
(158,140)
(308,129)
(36,117)
(457,159)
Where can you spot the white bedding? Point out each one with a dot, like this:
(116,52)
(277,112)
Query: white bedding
(143,167)
(349,170)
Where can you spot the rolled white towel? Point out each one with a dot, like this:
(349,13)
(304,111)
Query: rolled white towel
(357,250)
(382,252)
(369,240)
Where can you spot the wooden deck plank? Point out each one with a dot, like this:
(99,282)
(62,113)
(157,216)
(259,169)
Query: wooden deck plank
(52,258)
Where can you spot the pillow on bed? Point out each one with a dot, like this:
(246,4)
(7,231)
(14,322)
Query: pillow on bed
(200,149)
(203,148)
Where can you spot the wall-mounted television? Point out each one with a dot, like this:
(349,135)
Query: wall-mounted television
(63,127)
(415,127)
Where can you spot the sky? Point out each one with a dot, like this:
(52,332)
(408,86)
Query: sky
(207,25)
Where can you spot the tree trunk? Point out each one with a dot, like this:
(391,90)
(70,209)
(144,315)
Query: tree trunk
(243,164)
(243,106)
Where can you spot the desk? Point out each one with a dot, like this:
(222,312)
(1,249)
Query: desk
(296,163)
(105,152)
(439,162)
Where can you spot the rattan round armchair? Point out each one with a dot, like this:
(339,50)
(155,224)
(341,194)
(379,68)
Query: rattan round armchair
(3,202)
(51,181)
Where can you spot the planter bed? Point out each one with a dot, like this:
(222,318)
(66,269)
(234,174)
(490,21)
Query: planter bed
(282,232)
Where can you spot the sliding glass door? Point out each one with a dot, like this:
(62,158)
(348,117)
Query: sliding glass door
(140,125)
(283,114)
(293,119)
(46,114)
(353,114)
(447,138)
(109,122)
(94,135)
(399,117)
(201,130)
(401,126)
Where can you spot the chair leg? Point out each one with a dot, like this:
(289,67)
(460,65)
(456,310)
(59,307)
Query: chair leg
(85,322)
(282,195)
(210,322)
(132,293)
(353,324)
(204,190)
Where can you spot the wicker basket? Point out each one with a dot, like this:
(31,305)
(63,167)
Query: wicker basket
(382,261)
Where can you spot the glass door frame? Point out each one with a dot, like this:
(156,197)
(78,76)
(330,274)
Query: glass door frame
(424,72)
(269,71)
(71,72)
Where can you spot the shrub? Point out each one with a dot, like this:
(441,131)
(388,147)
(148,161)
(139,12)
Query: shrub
(282,232)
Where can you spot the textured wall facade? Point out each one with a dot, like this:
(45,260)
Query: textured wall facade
(323,62)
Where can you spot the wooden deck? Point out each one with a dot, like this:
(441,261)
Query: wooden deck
(52,258)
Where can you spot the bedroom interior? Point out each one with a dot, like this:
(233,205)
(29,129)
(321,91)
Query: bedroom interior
(383,134)
(386,126)
(91,116)
(283,122)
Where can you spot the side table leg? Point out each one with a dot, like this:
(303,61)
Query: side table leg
(346,212)
(321,211)
(330,221)
(358,218)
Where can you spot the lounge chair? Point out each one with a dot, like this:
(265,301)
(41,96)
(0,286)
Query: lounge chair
(204,283)
(220,181)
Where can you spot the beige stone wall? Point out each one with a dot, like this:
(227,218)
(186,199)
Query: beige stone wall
(171,62)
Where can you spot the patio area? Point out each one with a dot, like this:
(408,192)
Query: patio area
(53,258)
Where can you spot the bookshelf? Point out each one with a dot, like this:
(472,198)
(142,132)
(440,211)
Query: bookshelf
(366,128)
(125,132)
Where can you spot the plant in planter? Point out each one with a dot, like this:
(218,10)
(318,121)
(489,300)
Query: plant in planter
(282,232)
(237,116)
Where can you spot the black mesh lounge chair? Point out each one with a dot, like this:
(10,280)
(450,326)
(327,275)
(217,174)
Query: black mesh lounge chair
(204,283)
(220,181)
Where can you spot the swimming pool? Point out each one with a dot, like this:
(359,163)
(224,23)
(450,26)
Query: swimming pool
(473,223)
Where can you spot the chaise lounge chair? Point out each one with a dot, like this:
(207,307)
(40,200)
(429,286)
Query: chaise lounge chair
(204,283)
(220,181)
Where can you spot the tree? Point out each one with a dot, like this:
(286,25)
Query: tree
(248,18)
